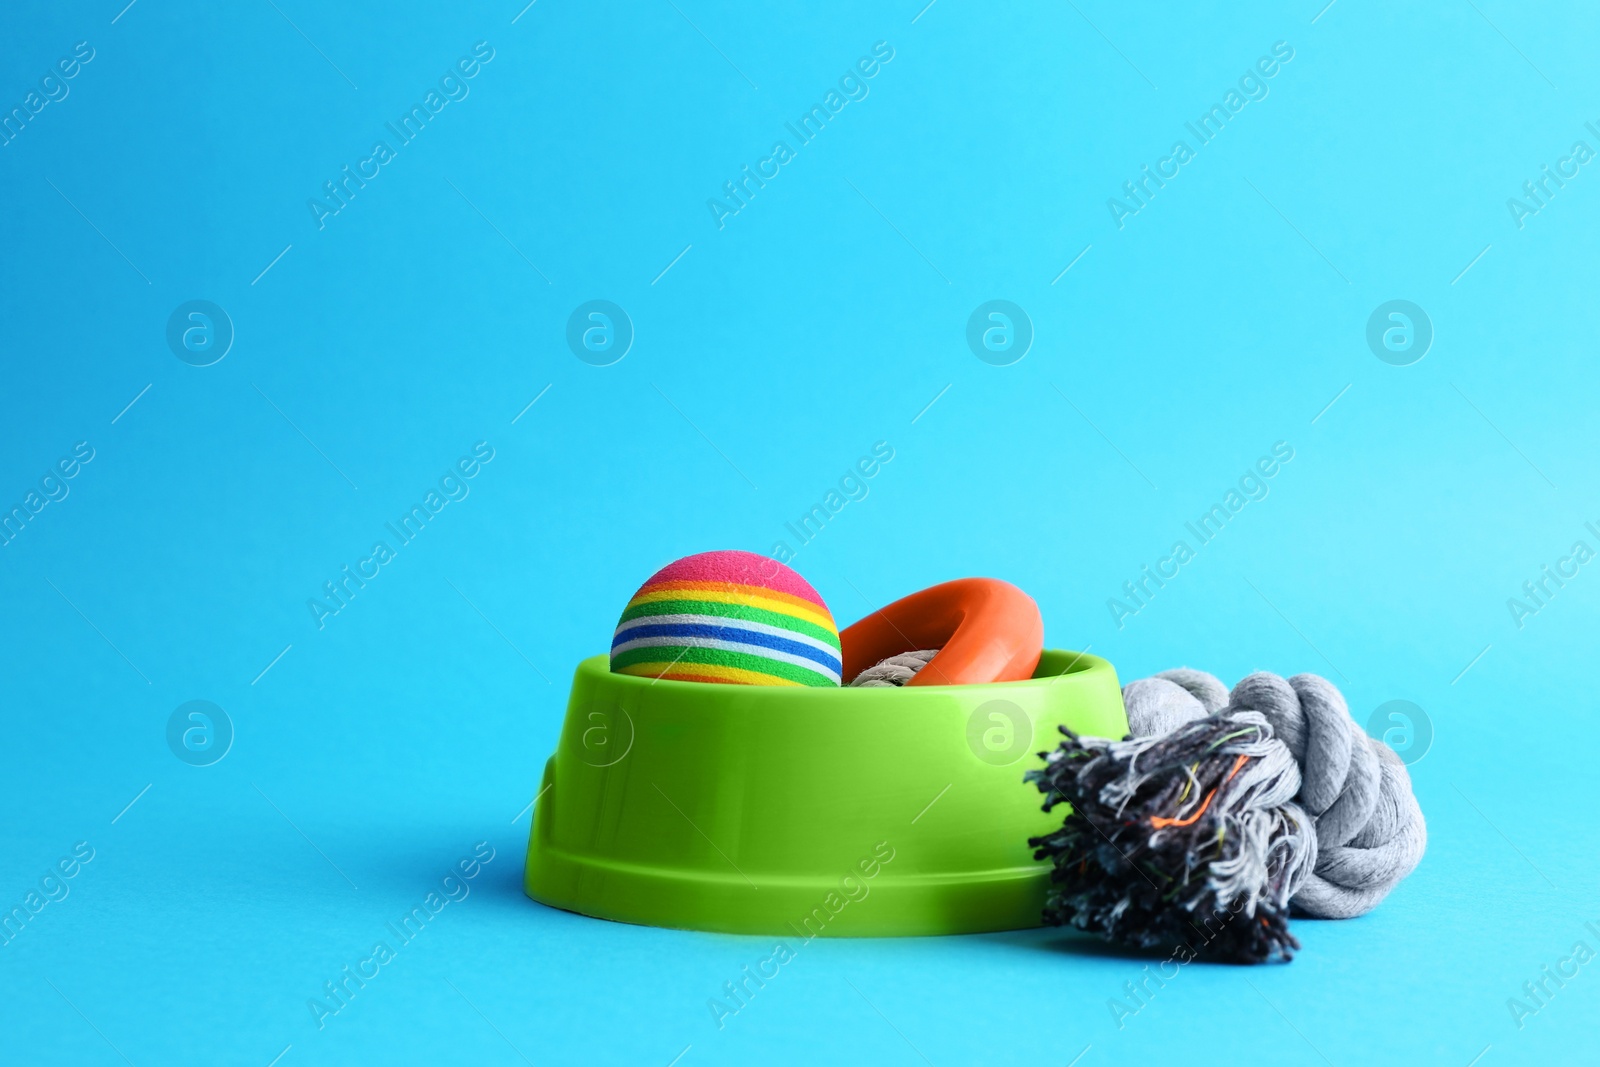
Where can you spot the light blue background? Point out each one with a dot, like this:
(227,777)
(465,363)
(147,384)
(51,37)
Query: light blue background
(825,316)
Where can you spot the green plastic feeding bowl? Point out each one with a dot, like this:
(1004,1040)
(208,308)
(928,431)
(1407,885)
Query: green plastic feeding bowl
(790,810)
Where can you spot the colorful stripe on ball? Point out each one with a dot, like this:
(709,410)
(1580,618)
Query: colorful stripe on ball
(718,631)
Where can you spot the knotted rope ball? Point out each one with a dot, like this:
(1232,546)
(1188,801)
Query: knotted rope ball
(1220,814)
(1369,829)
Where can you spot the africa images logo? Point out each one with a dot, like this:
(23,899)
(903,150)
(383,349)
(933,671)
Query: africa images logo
(452,87)
(852,86)
(452,487)
(1252,85)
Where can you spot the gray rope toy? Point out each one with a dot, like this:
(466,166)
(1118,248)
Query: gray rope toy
(1370,832)
(1220,805)
(896,670)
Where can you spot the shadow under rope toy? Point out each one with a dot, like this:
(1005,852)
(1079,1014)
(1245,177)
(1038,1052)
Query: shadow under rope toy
(713,773)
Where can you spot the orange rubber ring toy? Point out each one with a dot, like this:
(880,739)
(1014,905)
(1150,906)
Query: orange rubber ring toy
(986,630)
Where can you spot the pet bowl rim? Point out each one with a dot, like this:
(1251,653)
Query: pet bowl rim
(1082,665)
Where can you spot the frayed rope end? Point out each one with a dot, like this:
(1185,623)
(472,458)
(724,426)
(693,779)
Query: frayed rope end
(1188,841)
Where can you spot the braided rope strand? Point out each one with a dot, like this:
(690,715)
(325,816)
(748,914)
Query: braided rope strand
(1370,832)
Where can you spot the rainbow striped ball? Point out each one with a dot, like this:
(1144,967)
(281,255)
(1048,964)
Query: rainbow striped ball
(731,617)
